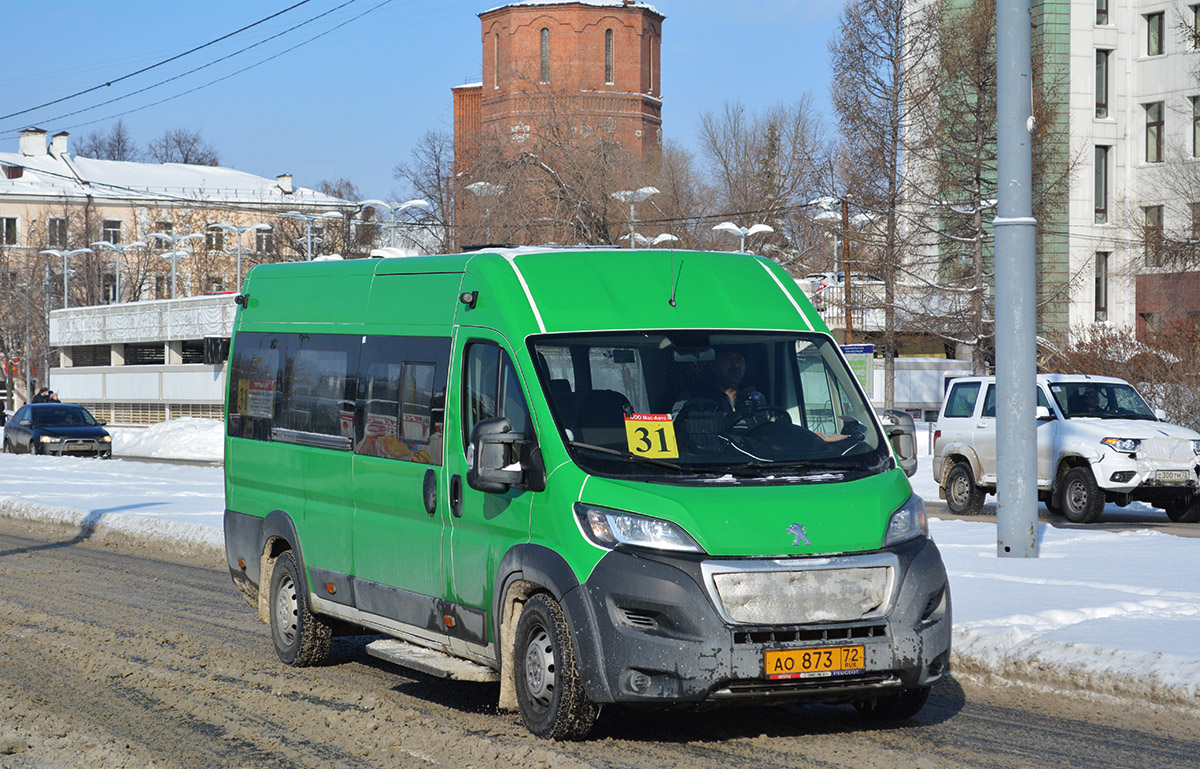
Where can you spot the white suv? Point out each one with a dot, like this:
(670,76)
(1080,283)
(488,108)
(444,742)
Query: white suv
(1097,442)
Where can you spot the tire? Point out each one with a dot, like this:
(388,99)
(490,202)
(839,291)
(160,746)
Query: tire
(1052,508)
(8,449)
(1082,499)
(894,707)
(1187,511)
(549,690)
(962,495)
(301,638)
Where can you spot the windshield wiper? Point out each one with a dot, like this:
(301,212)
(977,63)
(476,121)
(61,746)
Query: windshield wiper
(624,454)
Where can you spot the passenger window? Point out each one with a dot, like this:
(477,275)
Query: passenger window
(322,384)
(254,385)
(989,401)
(961,402)
(619,369)
(492,390)
(404,391)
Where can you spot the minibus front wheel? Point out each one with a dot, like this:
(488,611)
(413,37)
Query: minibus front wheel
(549,691)
(301,638)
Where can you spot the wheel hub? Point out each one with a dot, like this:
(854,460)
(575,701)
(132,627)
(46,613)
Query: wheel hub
(539,667)
(285,609)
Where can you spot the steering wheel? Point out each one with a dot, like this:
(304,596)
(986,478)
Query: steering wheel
(762,415)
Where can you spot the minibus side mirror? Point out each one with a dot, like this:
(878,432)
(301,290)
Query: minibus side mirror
(1042,413)
(902,433)
(494,456)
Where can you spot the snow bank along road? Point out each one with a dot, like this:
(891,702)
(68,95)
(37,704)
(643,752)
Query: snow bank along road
(1112,612)
(121,656)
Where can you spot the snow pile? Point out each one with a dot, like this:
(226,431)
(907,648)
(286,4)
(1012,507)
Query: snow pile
(186,438)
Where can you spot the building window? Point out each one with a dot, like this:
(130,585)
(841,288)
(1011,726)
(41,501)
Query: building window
(8,230)
(167,227)
(56,232)
(495,61)
(1101,12)
(1153,235)
(162,288)
(1101,174)
(1102,83)
(214,240)
(1154,34)
(110,230)
(545,77)
(1101,285)
(608,57)
(263,242)
(1154,132)
(1196,126)
(1195,26)
(1195,222)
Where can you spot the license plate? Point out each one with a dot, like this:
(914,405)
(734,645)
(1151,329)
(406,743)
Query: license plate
(1173,476)
(815,663)
(79,448)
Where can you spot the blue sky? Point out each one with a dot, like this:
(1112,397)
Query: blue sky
(354,102)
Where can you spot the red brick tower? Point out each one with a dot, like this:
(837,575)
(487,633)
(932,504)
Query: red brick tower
(603,55)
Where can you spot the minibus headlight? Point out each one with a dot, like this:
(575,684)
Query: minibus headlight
(608,528)
(907,523)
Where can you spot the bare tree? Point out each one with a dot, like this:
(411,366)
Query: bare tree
(882,55)
(180,145)
(114,144)
(429,174)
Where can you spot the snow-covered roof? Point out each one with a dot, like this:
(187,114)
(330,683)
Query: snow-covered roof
(597,3)
(61,175)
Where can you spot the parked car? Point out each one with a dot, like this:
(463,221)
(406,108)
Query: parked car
(56,428)
(1097,442)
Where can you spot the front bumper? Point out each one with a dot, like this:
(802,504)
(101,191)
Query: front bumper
(77,447)
(1144,479)
(654,635)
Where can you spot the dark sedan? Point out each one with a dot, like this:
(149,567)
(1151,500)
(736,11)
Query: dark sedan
(65,429)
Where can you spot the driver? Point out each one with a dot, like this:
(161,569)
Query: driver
(723,384)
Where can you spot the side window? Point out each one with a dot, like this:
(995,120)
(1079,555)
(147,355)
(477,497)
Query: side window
(404,398)
(619,369)
(321,384)
(492,389)
(961,401)
(254,384)
(1041,400)
(989,401)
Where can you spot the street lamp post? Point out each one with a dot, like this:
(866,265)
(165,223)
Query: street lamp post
(174,255)
(238,231)
(120,249)
(743,232)
(308,220)
(638,237)
(633,197)
(66,272)
(395,209)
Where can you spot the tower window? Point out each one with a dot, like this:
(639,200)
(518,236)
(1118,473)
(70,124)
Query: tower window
(545,77)
(608,57)
(495,61)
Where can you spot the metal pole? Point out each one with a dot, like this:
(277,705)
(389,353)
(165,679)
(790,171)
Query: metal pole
(632,241)
(239,262)
(118,297)
(66,284)
(1016,293)
(846,269)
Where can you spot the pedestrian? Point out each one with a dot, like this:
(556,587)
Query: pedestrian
(52,397)
(42,395)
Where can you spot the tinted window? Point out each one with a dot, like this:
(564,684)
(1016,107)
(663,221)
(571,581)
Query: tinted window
(254,384)
(492,389)
(321,384)
(961,401)
(63,416)
(404,398)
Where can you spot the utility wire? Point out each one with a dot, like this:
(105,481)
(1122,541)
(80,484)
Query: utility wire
(201,67)
(153,66)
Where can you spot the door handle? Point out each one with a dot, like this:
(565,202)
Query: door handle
(429,491)
(456,496)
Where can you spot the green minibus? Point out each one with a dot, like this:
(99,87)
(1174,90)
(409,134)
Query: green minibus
(641,477)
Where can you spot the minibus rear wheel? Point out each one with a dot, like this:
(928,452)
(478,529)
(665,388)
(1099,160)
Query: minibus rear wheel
(301,638)
(549,691)
(895,707)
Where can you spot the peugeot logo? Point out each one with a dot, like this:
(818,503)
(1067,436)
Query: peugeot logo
(801,536)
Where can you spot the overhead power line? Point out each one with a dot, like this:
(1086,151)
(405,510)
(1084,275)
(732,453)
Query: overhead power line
(108,83)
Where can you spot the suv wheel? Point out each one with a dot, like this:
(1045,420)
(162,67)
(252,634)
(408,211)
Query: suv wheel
(1187,511)
(962,495)
(1082,499)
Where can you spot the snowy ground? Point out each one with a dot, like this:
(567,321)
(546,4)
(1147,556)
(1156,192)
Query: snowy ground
(1102,611)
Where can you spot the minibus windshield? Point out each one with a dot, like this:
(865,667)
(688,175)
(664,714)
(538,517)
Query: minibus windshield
(698,405)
